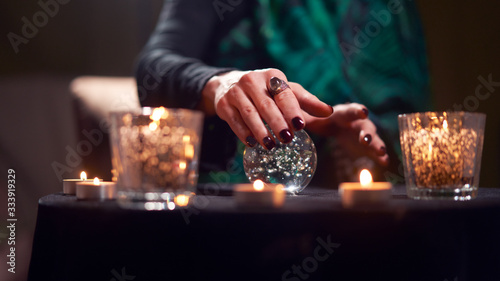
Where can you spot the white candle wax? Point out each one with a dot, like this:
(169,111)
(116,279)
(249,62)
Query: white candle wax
(69,185)
(364,192)
(259,194)
(96,190)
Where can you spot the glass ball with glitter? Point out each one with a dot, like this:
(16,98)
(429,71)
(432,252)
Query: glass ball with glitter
(292,164)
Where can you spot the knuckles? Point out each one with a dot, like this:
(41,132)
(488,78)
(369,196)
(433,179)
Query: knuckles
(273,72)
(249,79)
(222,108)
(232,93)
(233,120)
(248,110)
(266,103)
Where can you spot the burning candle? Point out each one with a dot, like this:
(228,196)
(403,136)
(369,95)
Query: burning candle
(69,185)
(259,194)
(182,200)
(366,192)
(95,190)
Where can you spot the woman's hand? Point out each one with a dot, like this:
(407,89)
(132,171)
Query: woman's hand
(242,99)
(350,125)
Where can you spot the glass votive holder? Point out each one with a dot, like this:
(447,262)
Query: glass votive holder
(155,156)
(442,154)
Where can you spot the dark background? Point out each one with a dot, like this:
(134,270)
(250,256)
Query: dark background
(37,115)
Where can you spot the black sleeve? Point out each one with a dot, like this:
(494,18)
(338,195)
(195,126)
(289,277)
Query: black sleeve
(170,70)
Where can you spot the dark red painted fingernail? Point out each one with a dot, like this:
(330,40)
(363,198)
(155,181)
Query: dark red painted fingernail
(365,111)
(269,143)
(286,136)
(383,149)
(367,139)
(333,110)
(251,141)
(298,123)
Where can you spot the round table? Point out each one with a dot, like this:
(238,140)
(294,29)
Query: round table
(312,237)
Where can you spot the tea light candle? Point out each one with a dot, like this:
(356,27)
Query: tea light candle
(366,192)
(69,185)
(259,194)
(96,190)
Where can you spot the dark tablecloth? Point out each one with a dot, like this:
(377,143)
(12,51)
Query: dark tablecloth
(311,238)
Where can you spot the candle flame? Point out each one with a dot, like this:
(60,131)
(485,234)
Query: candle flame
(365,178)
(258,185)
(182,165)
(189,151)
(83,176)
(181,200)
(171,205)
(445,124)
(186,138)
(153,126)
(96,181)
(127,119)
(157,113)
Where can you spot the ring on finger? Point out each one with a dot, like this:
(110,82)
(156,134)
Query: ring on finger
(276,86)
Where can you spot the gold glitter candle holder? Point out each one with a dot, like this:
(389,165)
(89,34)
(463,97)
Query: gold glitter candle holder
(155,156)
(442,154)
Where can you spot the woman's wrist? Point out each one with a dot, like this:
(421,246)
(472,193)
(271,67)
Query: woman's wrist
(220,82)
(208,95)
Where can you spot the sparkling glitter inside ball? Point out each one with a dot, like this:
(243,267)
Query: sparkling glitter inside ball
(292,164)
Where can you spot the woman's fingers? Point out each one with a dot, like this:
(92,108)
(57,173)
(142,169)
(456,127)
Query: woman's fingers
(244,119)
(235,121)
(350,125)
(347,113)
(246,103)
(309,102)
(256,89)
(368,137)
(287,103)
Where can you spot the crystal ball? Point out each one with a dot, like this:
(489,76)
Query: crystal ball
(292,164)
